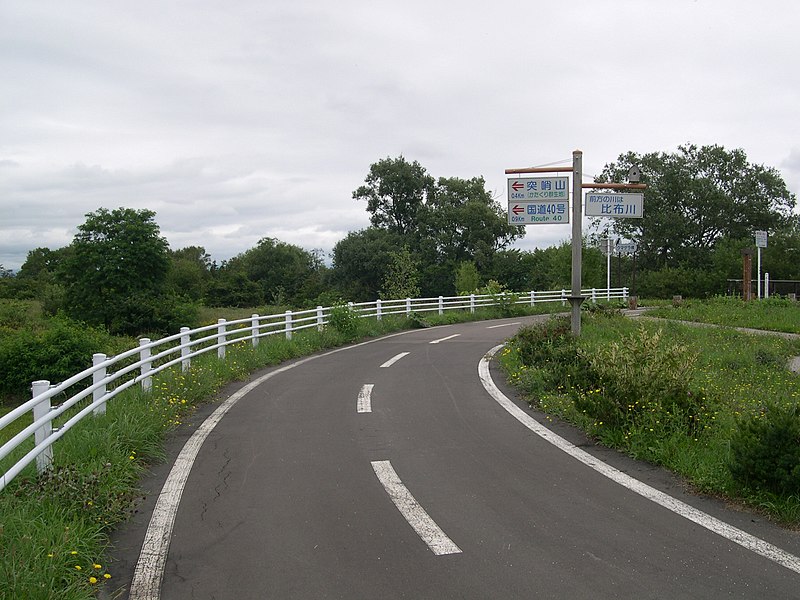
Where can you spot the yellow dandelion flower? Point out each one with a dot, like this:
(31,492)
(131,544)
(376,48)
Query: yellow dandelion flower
(107,576)
(96,566)
(77,567)
(92,580)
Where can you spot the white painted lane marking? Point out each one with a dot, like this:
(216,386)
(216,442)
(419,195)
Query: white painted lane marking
(365,398)
(149,571)
(444,339)
(744,539)
(416,516)
(391,361)
(503,325)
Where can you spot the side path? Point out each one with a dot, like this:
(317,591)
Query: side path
(386,469)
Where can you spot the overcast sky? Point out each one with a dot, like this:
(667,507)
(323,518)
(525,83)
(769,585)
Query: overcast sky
(241,119)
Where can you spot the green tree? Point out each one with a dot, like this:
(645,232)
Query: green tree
(467,277)
(282,270)
(696,197)
(402,276)
(361,262)
(115,273)
(189,272)
(394,191)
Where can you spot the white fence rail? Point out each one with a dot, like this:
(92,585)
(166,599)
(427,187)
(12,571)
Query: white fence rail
(111,375)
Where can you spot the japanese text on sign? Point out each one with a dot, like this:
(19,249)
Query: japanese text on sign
(626,206)
(538,188)
(538,212)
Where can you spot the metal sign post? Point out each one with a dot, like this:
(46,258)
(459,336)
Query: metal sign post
(529,203)
(761,242)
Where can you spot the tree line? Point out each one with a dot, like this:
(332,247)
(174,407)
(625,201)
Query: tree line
(427,237)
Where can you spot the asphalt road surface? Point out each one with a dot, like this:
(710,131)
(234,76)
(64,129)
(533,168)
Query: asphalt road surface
(386,470)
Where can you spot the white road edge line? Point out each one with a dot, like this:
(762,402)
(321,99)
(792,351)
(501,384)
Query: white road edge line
(365,398)
(503,325)
(149,571)
(687,511)
(444,339)
(426,528)
(393,360)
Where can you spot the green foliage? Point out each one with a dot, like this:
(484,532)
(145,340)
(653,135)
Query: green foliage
(765,450)
(361,261)
(234,289)
(639,375)
(394,191)
(697,196)
(402,278)
(505,302)
(118,260)
(344,320)
(467,278)
(54,353)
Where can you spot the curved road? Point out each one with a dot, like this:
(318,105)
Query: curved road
(386,470)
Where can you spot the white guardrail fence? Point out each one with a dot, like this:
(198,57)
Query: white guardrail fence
(152,357)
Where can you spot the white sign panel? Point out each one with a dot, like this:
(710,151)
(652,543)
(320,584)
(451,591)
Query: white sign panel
(538,213)
(761,239)
(616,206)
(538,188)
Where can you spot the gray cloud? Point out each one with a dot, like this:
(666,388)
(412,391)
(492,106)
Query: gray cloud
(236,122)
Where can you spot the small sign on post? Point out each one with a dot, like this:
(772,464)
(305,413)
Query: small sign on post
(615,206)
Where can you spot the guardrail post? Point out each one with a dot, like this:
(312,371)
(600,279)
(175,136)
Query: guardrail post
(594,296)
(766,285)
(254,329)
(408,307)
(147,365)
(45,459)
(441,305)
(288,326)
(221,338)
(563,297)
(97,377)
(533,298)
(625,294)
(185,349)
(472,303)
(378,309)
(320,319)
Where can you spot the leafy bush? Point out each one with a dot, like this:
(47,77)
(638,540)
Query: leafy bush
(639,375)
(345,321)
(55,353)
(765,451)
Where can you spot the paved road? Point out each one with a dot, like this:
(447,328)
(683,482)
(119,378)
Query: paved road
(316,485)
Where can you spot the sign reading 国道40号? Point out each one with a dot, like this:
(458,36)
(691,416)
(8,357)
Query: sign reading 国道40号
(619,206)
(538,200)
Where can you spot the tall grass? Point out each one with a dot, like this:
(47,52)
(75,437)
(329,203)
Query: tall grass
(687,424)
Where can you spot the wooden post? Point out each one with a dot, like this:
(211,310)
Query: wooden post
(747,274)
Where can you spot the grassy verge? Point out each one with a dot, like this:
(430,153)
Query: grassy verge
(55,528)
(773,314)
(717,406)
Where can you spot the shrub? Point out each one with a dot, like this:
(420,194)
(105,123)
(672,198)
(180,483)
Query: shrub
(765,451)
(55,353)
(344,320)
(639,375)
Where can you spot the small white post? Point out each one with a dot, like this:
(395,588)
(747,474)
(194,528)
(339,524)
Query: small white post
(185,349)
(759,272)
(320,319)
(221,338)
(563,297)
(766,286)
(288,324)
(594,296)
(147,365)
(625,294)
(254,329)
(378,309)
(441,305)
(472,303)
(533,298)
(608,268)
(408,307)
(45,459)
(97,377)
